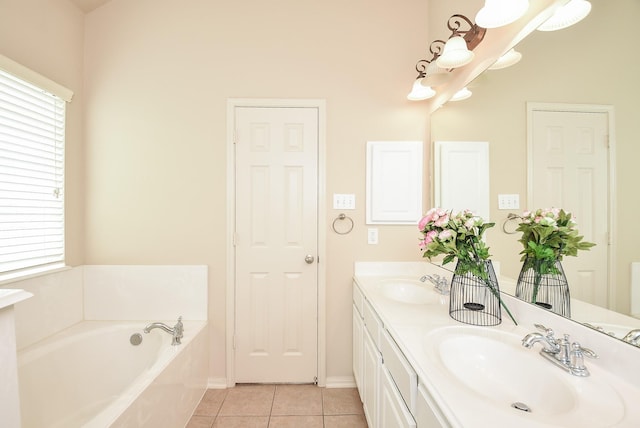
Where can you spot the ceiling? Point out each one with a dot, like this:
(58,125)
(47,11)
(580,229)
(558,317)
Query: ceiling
(89,5)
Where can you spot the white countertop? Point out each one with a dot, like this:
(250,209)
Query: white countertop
(410,323)
(10,296)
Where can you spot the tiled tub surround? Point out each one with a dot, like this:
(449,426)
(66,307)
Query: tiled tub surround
(80,305)
(409,325)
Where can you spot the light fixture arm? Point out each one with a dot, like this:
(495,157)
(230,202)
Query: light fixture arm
(435,49)
(473,36)
(421,68)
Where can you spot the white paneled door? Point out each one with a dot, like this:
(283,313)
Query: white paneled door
(276,243)
(569,169)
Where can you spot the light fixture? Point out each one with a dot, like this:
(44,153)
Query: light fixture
(429,74)
(567,15)
(458,49)
(507,60)
(462,94)
(455,53)
(435,75)
(497,13)
(420,92)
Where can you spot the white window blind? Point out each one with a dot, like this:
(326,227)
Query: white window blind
(32,123)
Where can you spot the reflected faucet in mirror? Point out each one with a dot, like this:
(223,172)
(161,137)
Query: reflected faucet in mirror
(440,283)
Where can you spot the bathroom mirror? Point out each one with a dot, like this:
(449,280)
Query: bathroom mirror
(592,62)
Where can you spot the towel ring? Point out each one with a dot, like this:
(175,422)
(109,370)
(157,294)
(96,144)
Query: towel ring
(509,218)
(342,216)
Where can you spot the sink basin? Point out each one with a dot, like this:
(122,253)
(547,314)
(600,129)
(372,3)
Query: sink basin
(406,291)
(492,366)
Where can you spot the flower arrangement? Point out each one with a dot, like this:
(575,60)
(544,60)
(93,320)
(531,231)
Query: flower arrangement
(456,235)
(459,236)
(548,235)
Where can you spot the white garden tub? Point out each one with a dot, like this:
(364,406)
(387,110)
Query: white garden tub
(90,375)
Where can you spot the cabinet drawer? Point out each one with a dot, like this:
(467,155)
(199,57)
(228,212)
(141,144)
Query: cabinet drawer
(403,374)
(358,298)
(372,323)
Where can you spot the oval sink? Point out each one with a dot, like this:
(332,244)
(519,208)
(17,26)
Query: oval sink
(491,365)
(406,291)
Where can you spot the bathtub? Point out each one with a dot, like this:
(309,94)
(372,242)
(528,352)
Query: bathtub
(90,375)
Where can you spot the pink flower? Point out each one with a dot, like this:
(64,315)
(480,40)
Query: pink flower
(430,236)
(444,235)
(441,221)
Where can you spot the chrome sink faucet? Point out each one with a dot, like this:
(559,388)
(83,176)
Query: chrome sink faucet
(176,332)
(566,355)
(633,337)
(439,283)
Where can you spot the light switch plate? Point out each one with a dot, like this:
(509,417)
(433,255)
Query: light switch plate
(344,201)
(509,202)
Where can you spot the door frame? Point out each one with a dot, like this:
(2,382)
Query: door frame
(611,159)
(232,104)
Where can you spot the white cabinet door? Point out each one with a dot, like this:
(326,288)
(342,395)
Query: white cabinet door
(427,414)
(461,176)
(393,412)
(358,331)
(372,363)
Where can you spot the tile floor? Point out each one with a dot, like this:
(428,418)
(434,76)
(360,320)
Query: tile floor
(279,406)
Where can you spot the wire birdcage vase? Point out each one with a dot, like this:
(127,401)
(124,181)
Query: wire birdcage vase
(544,284)
(475,299)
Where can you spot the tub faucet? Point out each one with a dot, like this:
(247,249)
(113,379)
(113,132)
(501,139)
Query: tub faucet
(176,332)
(561,352)
(439,283)
(633,337)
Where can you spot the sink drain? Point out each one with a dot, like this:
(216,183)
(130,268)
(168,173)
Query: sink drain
(521,406)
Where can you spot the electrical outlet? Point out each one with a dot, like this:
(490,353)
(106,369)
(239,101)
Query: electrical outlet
(372,236)
(509,202)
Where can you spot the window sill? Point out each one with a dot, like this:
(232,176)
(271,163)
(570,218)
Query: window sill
(21,275)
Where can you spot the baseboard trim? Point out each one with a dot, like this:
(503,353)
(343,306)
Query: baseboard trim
(331,382)
(217,383)
(340,382)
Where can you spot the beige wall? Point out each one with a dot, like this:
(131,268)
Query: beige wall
(158,75)
(567,66)
(47,37)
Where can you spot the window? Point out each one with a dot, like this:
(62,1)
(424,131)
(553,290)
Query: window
(32,125)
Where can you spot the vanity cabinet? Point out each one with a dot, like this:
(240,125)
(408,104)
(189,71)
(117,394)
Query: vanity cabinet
(358,338)
(372,366)
(393,411)
(387,383)
(427,413)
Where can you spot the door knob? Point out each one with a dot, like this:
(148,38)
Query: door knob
(309,259)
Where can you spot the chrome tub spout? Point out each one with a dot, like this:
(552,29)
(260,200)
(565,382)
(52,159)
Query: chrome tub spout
(176,332)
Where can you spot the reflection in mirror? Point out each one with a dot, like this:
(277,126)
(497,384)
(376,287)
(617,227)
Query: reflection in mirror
(592,62)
